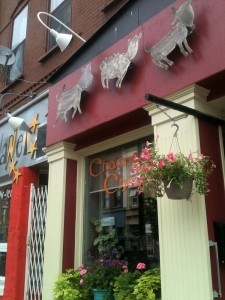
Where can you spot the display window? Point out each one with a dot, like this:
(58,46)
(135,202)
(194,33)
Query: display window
(5,197)
(110,198)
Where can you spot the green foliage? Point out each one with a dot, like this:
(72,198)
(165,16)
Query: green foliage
(106,241)
(111,275)
(148,286)
(124,285)
(138,285)
(68,287)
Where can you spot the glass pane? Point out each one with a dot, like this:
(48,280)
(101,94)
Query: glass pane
(16,70)
(5,197)
(2,263)
(112,200)
(55,3)
(41,140)
(19,28)
(62,13)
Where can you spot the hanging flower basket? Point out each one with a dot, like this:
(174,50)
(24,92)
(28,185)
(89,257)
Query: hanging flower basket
(177,193)
(152,169)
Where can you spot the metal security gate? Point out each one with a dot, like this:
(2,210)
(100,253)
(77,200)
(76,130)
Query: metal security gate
(35,243)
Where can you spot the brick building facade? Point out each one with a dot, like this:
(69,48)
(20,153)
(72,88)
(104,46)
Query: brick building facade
(115,123)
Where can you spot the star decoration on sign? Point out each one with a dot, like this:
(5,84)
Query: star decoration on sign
(16,175)
(34,123)
(33,148)
(12,166)
(11,149)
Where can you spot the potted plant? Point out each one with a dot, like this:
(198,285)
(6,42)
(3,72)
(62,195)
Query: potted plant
(140,284)
(94,279)
(98,275)
(158,173)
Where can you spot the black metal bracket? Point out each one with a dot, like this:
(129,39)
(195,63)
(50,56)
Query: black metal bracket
(185,109)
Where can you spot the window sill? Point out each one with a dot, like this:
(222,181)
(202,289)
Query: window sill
(48,54)
(109,6)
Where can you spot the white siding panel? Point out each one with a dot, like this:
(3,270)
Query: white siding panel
(184,251)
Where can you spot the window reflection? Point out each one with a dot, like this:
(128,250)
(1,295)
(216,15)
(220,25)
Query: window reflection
(111,199)
(5,195)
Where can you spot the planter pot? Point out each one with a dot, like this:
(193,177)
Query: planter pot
(102,295)
(177,193)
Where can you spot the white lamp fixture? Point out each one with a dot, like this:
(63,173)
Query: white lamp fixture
(15,122)
(62,39)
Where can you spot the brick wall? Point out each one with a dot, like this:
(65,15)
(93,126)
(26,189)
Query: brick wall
(87,17)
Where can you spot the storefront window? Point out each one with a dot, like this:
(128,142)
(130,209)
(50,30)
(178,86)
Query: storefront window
(111,199)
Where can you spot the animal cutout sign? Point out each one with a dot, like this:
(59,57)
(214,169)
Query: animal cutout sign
(71,98)
(116,65)
(177,36)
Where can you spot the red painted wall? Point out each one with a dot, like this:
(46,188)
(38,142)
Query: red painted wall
(17,234)
(101,106)
(70,216)
(215,204)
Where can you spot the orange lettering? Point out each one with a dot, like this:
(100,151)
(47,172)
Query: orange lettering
(106,188)
(93,162)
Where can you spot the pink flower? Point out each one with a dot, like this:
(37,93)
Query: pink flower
(135,158)
(124,267)
(190,157)
(170,156)
(153,163)
(141,266)
(161,163)
(200,157)
(144,156)
(83,272)
(148,144)
(81,281)
(133,170)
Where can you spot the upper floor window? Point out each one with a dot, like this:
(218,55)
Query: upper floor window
(61,9)
(55,4)
(18,44)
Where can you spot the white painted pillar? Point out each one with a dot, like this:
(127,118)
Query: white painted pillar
(53,251)
(183,235)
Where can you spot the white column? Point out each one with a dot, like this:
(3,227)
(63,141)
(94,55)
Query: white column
(57,158)
(183,235)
